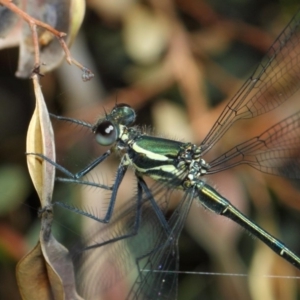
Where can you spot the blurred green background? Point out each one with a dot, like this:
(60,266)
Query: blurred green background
(175,62)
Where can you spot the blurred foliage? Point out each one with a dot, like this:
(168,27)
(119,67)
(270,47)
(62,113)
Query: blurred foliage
(175,62)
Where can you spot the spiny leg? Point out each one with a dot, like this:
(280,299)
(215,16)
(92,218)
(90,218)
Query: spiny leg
(119,177)
(74,177)
(136,225)
(71,120)
(161,217)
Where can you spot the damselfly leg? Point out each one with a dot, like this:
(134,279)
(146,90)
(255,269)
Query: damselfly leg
(133,256)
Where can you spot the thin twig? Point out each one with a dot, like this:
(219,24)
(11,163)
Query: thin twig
(33,23)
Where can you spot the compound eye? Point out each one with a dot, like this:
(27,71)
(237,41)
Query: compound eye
(106,133)
(123,114)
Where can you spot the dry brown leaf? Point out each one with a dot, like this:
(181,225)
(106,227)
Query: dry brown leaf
(10,27)
(53,270)
(40,140)
(63,15)
(60,15)
(32,276)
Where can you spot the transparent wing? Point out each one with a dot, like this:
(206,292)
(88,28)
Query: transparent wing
(272,83)
(103,249)
(112,263)
(157,277)
(275,151)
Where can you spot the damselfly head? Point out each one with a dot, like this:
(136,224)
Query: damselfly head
(107,130)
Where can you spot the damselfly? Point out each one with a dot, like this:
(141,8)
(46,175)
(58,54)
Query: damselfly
(177,165)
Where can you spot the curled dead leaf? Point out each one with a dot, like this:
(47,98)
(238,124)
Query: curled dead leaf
(48,265)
